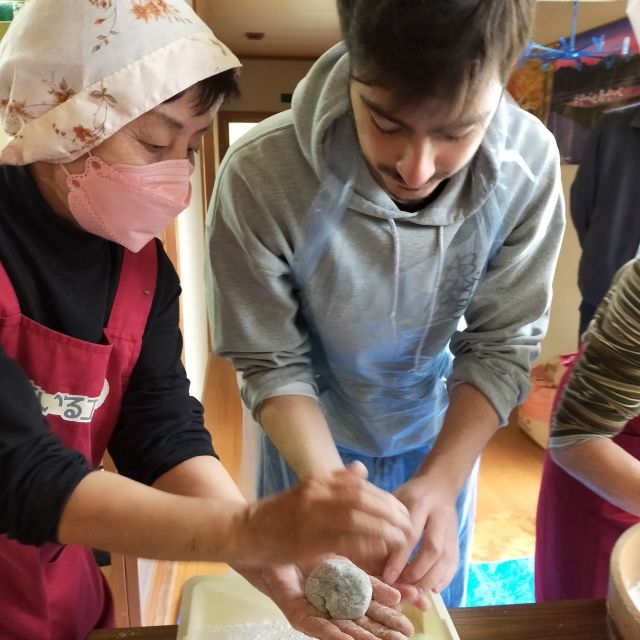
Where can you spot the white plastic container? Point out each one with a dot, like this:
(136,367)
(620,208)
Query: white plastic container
(211,603)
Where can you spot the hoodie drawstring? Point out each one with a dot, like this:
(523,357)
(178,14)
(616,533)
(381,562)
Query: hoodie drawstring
(432,305)
(396,273)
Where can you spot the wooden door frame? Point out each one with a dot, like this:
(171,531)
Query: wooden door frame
(226,117)
(124,580)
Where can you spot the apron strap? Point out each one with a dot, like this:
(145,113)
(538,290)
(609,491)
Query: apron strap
(135,293)
(9,305)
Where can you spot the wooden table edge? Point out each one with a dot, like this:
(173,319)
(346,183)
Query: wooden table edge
(585,619)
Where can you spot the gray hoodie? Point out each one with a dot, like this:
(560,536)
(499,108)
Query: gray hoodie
(321,286)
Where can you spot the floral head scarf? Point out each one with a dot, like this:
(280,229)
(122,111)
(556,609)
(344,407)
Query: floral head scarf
(73,73)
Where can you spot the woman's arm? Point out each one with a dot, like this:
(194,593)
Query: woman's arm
(602,394)
(606,468)
(339,514)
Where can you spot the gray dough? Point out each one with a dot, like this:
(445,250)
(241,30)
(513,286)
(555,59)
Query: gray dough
(339,588)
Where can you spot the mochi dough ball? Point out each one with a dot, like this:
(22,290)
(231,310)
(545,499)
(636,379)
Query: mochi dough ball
(340,588)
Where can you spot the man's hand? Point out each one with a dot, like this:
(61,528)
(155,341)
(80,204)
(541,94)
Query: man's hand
(342,514)
(285,586)
(435,527)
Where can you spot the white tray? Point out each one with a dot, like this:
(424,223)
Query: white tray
(209,602)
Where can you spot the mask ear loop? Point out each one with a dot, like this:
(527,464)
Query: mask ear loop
(64,165)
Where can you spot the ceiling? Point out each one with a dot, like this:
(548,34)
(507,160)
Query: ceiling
(305,28)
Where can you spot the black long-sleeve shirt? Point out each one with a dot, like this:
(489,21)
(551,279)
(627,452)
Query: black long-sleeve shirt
(604,202)
(66,280)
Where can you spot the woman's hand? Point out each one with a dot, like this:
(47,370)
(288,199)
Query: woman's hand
(340,514)
(285,586)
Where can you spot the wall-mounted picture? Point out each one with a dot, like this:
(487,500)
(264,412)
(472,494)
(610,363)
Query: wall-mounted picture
(530,85)
(583,90)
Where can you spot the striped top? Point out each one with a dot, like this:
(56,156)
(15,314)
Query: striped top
(603,393)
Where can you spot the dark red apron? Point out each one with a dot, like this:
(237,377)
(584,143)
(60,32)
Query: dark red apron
(57,592)
(576,529)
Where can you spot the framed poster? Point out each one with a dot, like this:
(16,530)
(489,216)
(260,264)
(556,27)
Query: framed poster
(582,91)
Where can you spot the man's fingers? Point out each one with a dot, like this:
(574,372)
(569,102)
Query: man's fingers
(398,559)
(396,563)
(433,544)
(440,573)
(439,577)
(413,594)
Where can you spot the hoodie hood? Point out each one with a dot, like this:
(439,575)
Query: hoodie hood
(328,140)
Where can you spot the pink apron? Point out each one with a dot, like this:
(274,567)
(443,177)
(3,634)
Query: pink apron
(57,592)
(576,529)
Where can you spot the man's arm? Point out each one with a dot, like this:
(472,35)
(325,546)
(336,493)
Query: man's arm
(508,315)
(297,427)
(253,305)
(470,423)
(431,495)
(256,319)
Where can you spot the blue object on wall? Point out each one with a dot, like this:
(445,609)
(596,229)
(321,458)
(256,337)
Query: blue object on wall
(567,50)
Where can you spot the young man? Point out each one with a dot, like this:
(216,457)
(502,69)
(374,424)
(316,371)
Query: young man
(349,237)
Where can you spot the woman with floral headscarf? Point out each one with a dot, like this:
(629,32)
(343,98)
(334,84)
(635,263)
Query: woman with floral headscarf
(105,103)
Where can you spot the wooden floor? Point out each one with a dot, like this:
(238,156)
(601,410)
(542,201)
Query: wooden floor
(510,473)
(508,489)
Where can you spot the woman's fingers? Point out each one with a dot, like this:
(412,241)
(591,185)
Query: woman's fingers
(366,629)
(389,618)
(357,492)
(341,514)
(383,593)
(351,516)
(321,629)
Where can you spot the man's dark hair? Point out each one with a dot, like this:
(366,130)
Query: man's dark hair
(433,48)
(210,90)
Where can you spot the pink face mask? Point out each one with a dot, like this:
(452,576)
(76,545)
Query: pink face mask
(129,204)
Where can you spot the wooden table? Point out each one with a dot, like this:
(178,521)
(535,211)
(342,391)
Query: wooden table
(568,620)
